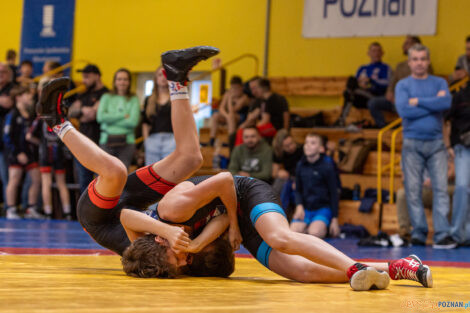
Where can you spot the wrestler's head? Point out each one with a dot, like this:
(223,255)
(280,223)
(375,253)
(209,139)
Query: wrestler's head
(215,260)
(146,257)
(149,257)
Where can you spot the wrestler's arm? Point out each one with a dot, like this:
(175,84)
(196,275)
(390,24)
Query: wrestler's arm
(216,227)
(137,224)
(180,204)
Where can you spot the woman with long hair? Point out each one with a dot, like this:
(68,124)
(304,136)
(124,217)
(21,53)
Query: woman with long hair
(158,135)
(118,115)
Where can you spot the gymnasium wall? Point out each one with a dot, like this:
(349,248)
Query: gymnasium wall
(116,33)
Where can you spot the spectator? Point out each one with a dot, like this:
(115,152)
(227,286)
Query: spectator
(6,103)
(253,158)
(274,109)
(316,193)
(421,100)
(269,111)
(403,217)
(378,104)
(233,109)
(118,116)
(462,68)
(459,149)
(371,81)
(287,153)
(26,73)
(11,62)
(51,159)
(85,108)
(157,131)
(22,155)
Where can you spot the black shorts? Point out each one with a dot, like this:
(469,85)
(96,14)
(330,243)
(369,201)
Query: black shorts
(52,158)
(100,216)
(255,199)
(32,162)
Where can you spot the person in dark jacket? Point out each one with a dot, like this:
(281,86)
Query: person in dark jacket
(316,193)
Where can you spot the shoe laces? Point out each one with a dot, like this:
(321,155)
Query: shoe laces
(407,270)
(404,273)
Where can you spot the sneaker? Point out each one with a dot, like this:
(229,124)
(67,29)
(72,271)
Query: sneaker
(411,268)
(446,243)
(32,213)
(363,277)
(417,242)
(12,214)
(178,63)
(51,106)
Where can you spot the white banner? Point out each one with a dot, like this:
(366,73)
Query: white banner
(362,18)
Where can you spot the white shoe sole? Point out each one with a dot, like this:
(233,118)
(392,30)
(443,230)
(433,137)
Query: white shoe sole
(369,279)
(429,281)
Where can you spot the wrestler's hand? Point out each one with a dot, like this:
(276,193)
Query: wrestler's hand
(178,239)
(335,231)
(193,247)
(235,237)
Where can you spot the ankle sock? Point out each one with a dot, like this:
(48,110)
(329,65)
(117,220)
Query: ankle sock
(62,129)
(178,91)
(354,268)
(47,209)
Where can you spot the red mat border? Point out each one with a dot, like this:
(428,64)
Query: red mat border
(55,251)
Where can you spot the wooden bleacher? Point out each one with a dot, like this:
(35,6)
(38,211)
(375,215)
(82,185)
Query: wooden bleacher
(309,86)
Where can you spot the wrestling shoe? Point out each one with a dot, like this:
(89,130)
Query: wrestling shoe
(411,268)
(178,63)
(51,107)
(363,277)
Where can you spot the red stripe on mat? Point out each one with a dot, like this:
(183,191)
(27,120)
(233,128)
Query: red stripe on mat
(52,251)
(432,263)
(48,251)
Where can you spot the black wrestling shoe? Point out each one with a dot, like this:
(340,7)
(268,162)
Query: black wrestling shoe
(51,107)
(178,63)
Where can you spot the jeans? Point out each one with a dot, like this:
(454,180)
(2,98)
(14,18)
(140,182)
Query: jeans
(460,227)
(432,155)
(158,146)
(4,175)
(376,106)
(85,176)
(124,153)
(404,224)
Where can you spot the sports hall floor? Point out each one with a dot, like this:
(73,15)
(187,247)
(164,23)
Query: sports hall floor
(54,266)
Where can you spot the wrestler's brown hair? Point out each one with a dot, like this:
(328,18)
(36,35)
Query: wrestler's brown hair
(145,258)
(216,260)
